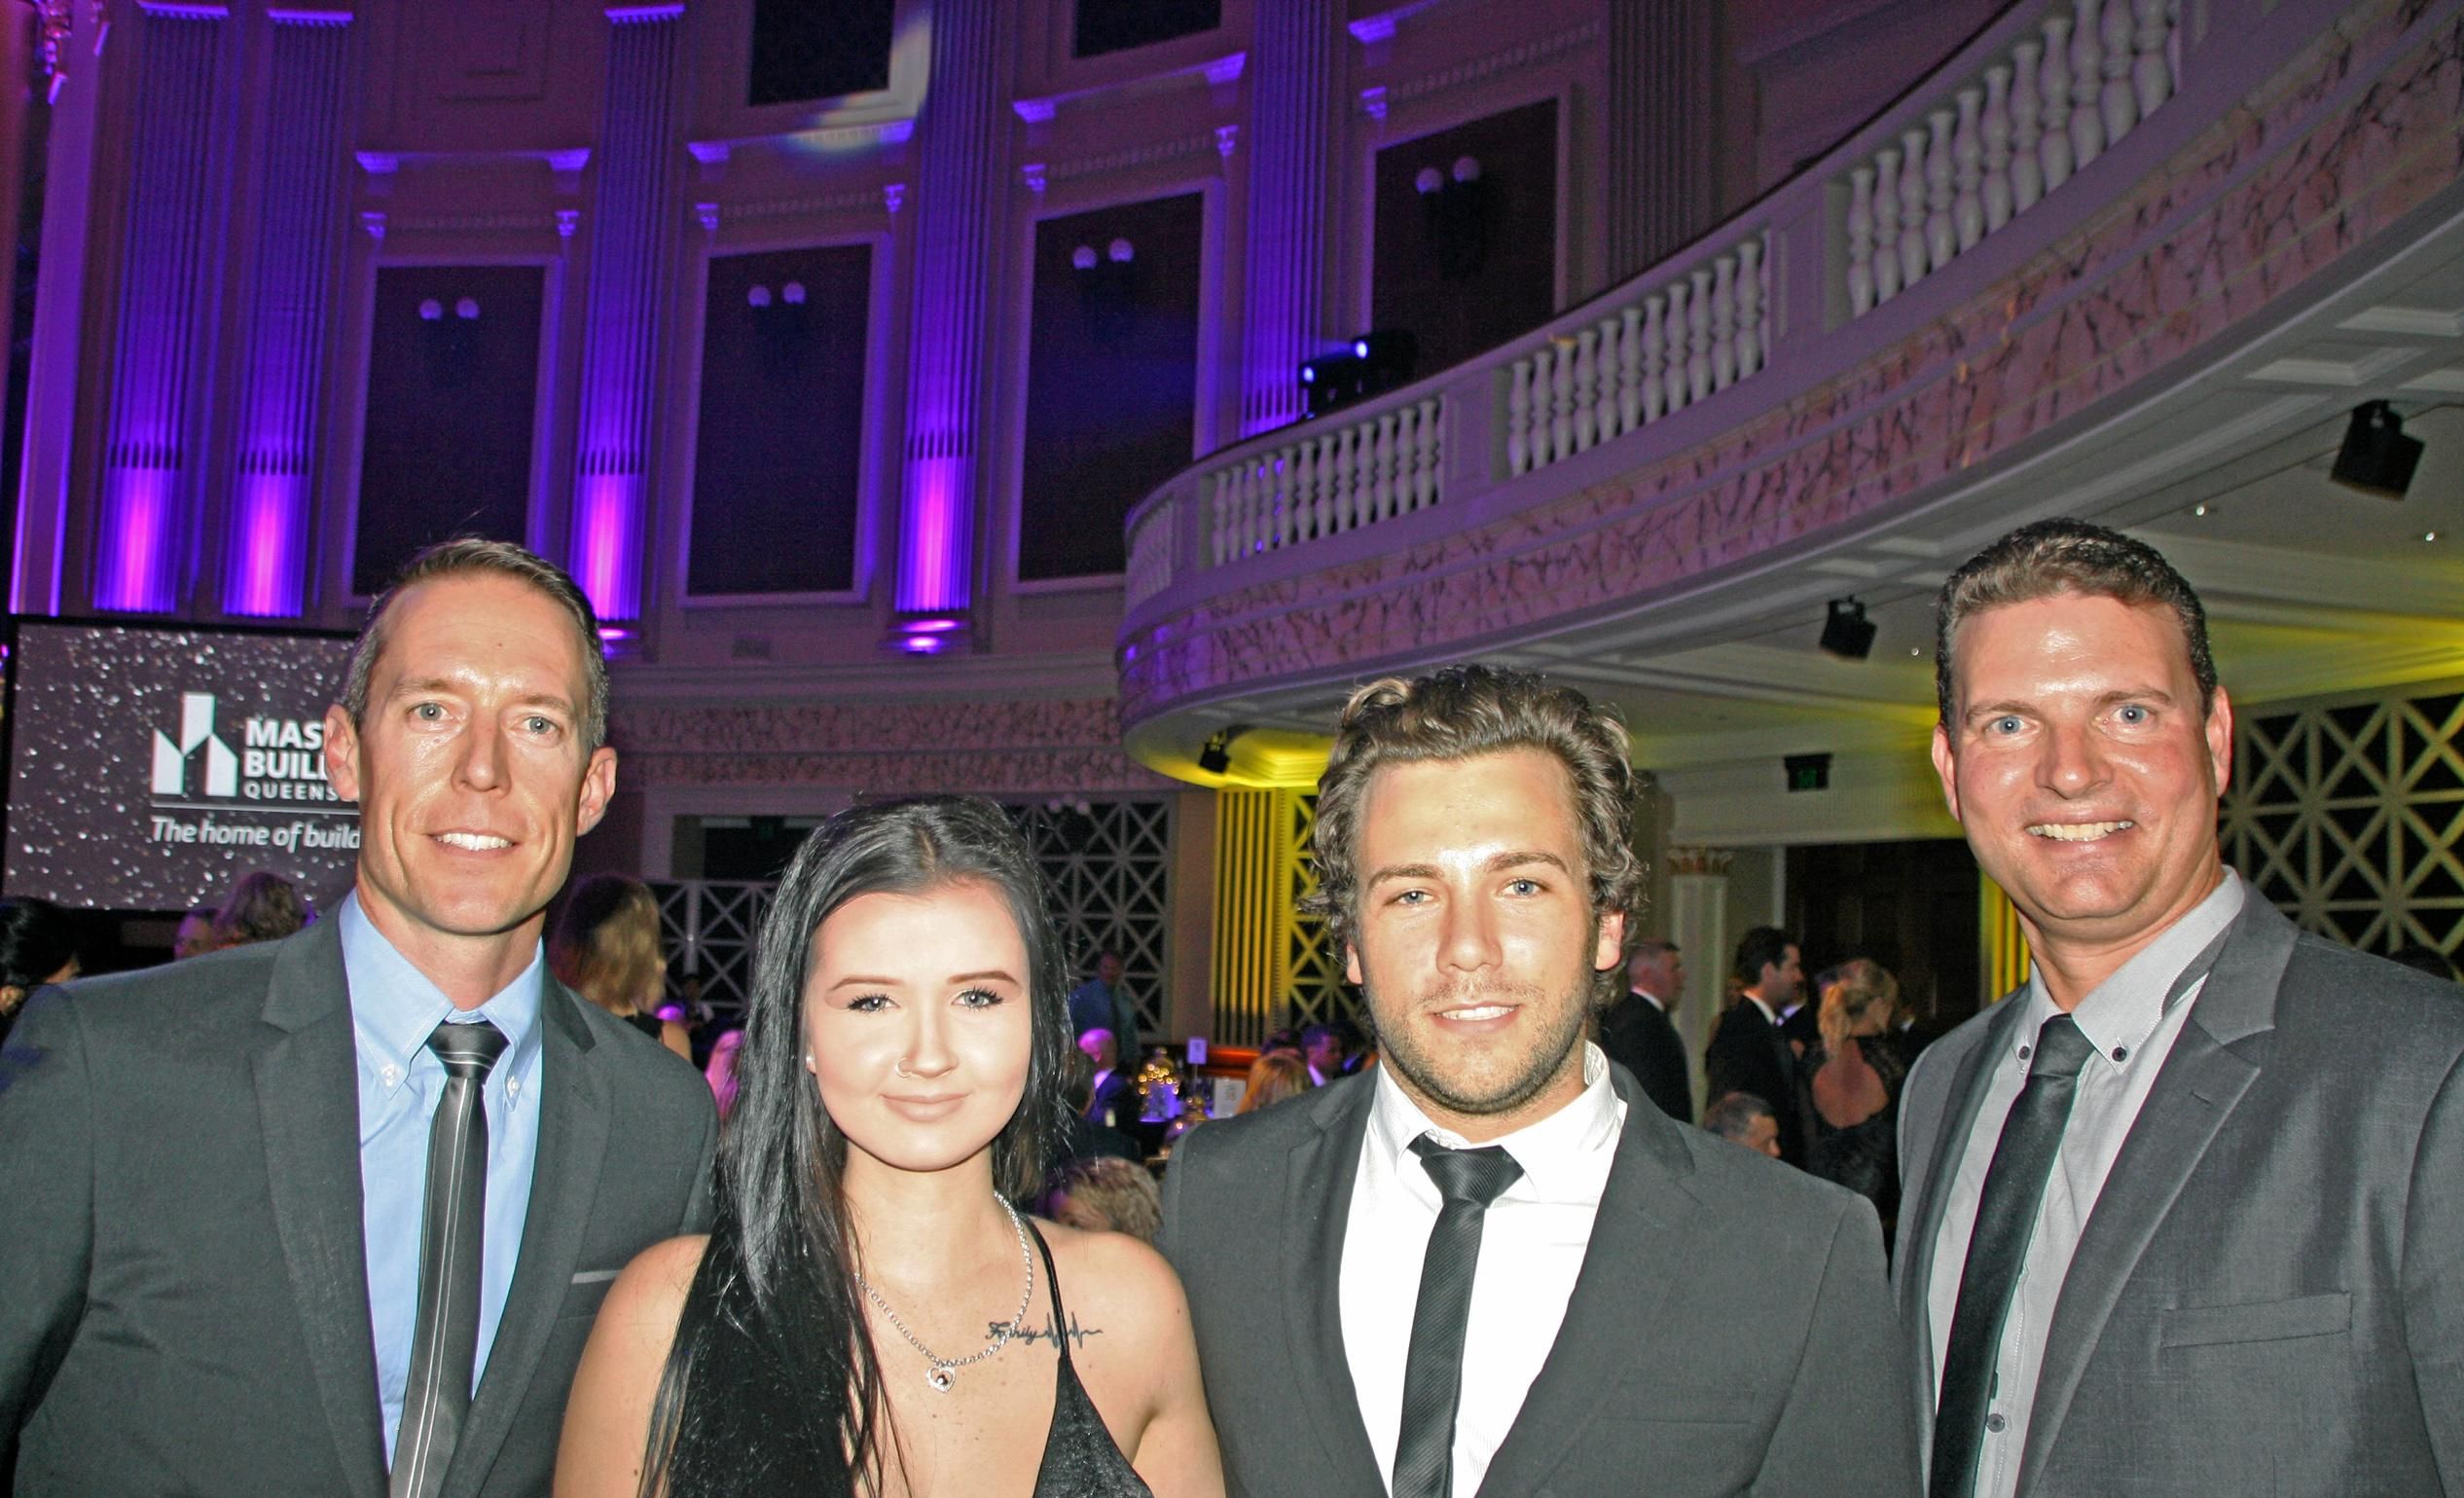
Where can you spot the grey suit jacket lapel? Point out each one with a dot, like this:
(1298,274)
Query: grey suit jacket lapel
(307,1102)
(2203,1077)
(1317,1201)
(573,1124)
(1628,1269)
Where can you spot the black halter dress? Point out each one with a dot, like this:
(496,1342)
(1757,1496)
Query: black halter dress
(746,1429)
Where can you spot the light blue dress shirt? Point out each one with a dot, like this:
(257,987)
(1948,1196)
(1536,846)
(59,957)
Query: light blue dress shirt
(393,1008)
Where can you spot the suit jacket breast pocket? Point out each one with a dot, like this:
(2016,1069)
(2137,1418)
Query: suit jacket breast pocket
(2256,1321)
(582,1297)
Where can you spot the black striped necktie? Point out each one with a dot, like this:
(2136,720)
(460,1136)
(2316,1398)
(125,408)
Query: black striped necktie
(444,1341)
(1433,1368)
(1997,1249)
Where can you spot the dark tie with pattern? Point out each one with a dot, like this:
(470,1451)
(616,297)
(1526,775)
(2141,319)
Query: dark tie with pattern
(2005,1219)
(1432,1370)
(445,1339)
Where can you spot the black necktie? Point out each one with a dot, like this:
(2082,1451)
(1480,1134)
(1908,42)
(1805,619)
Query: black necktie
(2005,1219)
(444,1341)
(1433,1371)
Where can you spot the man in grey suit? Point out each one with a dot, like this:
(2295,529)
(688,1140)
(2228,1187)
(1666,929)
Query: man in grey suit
(2185,1215)
(1490,1265)
(273,1213)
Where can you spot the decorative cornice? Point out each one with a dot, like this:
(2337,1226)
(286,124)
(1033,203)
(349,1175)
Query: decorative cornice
(467,223)
(1137,155)
(1504,60)
(867,199)
(1036,746)
(1707,862)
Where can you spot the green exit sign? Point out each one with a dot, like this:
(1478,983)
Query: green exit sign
(1808,772)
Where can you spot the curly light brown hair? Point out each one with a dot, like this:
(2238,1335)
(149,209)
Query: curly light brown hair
(1464,713)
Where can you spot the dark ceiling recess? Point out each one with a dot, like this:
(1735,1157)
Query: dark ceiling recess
(807,51)
(1117,26)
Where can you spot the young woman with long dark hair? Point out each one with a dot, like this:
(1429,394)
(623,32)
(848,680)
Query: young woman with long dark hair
(870,1313)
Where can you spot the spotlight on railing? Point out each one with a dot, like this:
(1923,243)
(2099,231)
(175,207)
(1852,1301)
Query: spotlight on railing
(1370,364)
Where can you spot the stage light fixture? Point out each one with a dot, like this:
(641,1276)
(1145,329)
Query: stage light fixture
(1846,632)
(2377,458)
(1215,756)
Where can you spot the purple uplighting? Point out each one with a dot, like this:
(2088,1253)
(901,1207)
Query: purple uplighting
(147,479)
(269,522)
(620,354)
(606,542)
(933,554)
(266,564)
(139,507)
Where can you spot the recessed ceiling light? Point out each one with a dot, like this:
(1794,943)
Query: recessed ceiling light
(2198,509)
(1916,650)
(2429,535)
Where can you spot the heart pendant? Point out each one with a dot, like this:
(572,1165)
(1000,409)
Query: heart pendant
(940,1378)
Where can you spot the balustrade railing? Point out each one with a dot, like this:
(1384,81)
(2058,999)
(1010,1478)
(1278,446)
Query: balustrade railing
(1996,145)
(1326,483)
(1700,333)
(1780,294)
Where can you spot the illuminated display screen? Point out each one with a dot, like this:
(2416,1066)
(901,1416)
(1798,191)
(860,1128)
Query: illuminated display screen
(151,767)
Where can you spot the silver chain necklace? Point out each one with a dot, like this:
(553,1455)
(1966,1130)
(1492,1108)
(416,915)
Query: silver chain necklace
(944,1371)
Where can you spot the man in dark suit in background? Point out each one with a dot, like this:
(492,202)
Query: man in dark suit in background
(2182,1214)
(1464,1271)
(1638,1034)
(273,1213)
(1746,1053)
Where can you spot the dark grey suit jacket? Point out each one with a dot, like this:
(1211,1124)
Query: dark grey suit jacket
(1730,1331)
(2269,1295)
(1639,1035)
(183,1281)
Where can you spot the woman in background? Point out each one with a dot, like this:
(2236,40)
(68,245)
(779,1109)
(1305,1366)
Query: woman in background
(1274,1076)
(38,945)
(605,947)
(1856,1078)
(869,1313)
(261,907)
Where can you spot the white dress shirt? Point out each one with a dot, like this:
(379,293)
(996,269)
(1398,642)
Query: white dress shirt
(2131,1019)
(1532,1245)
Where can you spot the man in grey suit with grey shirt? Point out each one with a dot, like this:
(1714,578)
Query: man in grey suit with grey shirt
(2185,1215)
(1490,1266)
(332,1214)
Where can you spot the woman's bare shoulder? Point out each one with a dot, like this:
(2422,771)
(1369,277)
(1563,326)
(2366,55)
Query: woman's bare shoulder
(1114,1276)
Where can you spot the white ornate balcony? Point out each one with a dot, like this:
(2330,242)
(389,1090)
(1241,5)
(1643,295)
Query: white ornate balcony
(2097,255)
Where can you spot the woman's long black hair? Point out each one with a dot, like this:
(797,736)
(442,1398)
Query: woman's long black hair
(798,1410)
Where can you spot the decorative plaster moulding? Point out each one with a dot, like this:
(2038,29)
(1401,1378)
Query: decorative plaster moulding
(1217,72)
(566,162)
(1505,60)
(184,10)
(1136,156)
(286,15)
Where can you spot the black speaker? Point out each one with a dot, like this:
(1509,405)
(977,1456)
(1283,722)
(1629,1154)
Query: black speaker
(2377,458)
(1847,633)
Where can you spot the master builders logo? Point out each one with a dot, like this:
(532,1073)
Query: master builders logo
(279,760)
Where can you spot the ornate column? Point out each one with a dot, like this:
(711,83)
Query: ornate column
(960,202)
(303,185)
(1295,132)
(633,234)
(149,477)
(1662,184)
(1698,923)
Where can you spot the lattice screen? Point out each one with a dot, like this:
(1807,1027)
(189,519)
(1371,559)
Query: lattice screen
(1317,988)
(709,925)
(1111,867)
(2347,813)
